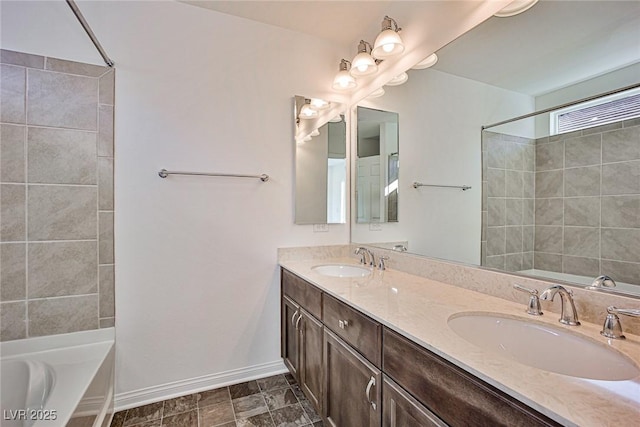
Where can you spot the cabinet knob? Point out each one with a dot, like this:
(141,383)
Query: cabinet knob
(343,324)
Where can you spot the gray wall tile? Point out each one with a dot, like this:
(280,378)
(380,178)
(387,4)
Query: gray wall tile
(547,262)
(63,315)
(602,128)
(60,156)
(621,211)
(529,185)
(581,266)
(21,59)
(107,291)
(582,211)
(47,89)
(527,260)
(621,178)
(548,239)
(13,320)
(12,212)
(549,211)
(550,156)
(484,226)
(62,269)
(485,195)
(496,241)
(12,94)
(495,153)
(72,67)
(582,181)
(513,212)
(528,233)
(549,184)
(513,240)
(13,278)
(528,212)
(631,122)
(496,211)
(514,156)
(529,158)
(497,262)
(621,271)
(12,153)
(621,244)
(107,88)
(583,151)
(62,212)
(107,322)
(496,182)
(514,184)
(621,145)
(513,262)
(105,131)
(105,183)
(105,238)
(582,242)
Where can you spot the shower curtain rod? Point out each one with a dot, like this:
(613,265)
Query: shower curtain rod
(557,107)
(76,11)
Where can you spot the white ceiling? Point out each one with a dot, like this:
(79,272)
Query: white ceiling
(576,40)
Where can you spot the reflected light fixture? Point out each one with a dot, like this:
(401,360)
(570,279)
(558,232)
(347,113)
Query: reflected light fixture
(337,119)
(363,63)
(398,80)
(388,43)
(319,104)
(315,132)
(307,111)
(427,62)
(344,80)
(376,93)
(515,7)
(307,138)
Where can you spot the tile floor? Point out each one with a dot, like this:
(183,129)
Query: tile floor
(267,402)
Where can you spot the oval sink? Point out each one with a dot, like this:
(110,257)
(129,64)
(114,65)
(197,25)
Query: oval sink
(342,270)
(544,347)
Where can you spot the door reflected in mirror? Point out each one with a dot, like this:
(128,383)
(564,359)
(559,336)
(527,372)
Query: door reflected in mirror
(321,170)
(377,166)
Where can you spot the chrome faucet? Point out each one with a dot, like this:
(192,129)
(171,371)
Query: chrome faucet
(568,313)
(612,327)
(533,307)
(381,264)
(603,281)
(363,252)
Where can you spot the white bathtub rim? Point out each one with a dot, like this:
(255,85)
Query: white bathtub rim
(53,342)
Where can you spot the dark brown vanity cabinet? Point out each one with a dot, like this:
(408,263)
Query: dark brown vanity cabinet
(352,386)
(400,409)
(289,341)
(311,362)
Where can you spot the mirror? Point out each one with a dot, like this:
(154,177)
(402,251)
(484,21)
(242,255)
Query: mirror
(321,166)
(553,54)
(377,166)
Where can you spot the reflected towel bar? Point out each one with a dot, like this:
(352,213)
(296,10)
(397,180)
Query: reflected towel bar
(462,187)
(165,173)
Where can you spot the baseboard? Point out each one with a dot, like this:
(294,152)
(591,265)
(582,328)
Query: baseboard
(132,399)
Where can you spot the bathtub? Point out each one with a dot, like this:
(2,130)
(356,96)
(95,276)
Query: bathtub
(58,380)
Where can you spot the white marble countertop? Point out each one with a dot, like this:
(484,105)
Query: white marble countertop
(419,308)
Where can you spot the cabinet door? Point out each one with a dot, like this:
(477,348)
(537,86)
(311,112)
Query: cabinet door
(352,386)
(310,369)
(399,409)
(289,336)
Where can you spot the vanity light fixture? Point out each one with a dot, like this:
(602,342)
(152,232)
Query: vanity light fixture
(388,43)
(376,93)
(427,62)
(398,80)
(337,119)
(363,63)
(307,138)
(307,111)
(343,80)
(319,104)
(315,132)
(515,7)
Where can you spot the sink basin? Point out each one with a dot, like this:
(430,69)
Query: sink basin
(544,347)
(342,270)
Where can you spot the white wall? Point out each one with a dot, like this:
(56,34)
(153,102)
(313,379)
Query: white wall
(197,291)
(440,123)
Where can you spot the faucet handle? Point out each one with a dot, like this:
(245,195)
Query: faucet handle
(612,327)
(381,260)
(603,281)
(533,308)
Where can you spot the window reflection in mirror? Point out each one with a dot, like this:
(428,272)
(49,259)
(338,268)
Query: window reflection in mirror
(377,166)
(321,173)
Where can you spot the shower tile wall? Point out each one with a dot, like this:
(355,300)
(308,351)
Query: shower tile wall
(56,196)
(588,202)
(507,201)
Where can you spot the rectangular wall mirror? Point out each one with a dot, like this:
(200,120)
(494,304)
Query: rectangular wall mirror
(377,166)
(551,200)
(321,170)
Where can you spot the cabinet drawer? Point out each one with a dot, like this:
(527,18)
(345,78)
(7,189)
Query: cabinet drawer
(357,329)
(457,397)
(400,409)
(302,292)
